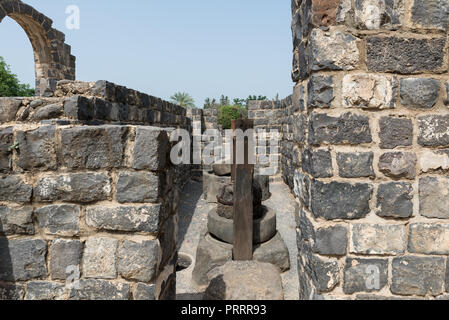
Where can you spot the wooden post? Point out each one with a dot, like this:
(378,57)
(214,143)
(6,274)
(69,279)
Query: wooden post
(243,197)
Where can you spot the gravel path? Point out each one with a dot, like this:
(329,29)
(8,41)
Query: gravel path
(193,212)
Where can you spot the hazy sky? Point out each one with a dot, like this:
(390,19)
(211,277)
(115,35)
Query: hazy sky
(204,47)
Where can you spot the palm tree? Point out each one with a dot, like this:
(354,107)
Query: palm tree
(183,99)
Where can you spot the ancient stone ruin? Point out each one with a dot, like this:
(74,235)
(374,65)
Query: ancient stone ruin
(88,191)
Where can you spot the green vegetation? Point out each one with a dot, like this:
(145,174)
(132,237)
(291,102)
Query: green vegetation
(10,85)
(183,99)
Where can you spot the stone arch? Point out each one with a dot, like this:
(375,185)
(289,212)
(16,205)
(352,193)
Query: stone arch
(52,56)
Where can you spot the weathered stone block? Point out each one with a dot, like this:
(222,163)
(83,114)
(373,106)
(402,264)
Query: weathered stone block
(395,132)
(419,93)
(434,197)
(150,148)
(94,147)
(99,259)
(418,276)
(37,149)
(321,91)
(301,187)
(43,290)
(374,14)
(433,131)
(144,292)
(331,241)
(355,165)
(428,238)
(52,111)
(6,141)
(317,163)
(125,218)
(137,187)
(395,200)
(100,290)
(347,129)
(13,189)
(8,109)
(325,274)
(81,187)
(337,200)
(365,275)
(369,91)
(405,55)
(16,221)
(398,164)
(138,261)
(430,14)
(299,126)
(377,239)
(79,108)
(64,254)
(333,50)
(62,220)
(434,161)
(11,292)
(22,260)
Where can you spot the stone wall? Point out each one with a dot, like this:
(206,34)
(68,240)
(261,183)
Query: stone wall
(371,131)
(86,182)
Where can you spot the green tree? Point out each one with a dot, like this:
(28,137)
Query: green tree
(183,99)
(228,113)
(10,85)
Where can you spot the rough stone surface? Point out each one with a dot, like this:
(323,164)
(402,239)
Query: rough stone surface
(22,260)
(101,290)
(43,290)
(60,220)
(8,109)
(427,238)
(434,197)
(81,187)
(404,55)
(13,189)
(99,258)
(63,254)
(377,239)
(6,141)
(150,148)
(325,274)
(37,149)
(398,165)
(247,280)
(16,221)
(143,292)
(430,14)
(301,187)
(374,14)
(395,200)
(137,187)
(317,163)
(11,292)
(419,93)
(337,200)
(433,130)
(321,91)
(331,241)
(225,211)
(358,274)
(418,276)
(369,91)
(138,261)
(52,111)
(355,165)
(124,218)
(395,132)
(222,169)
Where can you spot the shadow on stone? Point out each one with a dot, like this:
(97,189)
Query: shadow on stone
(8,289)
(190,197)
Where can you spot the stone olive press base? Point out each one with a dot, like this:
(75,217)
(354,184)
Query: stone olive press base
(212,253)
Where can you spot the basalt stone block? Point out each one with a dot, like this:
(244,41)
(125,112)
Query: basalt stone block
(301,187)
(337,200)
(99,258)
(405,55)
(94,147)
(365,275)
(52,111)
(125,218)
(355,165)
(433,131)
(8,109)
(317,163)
(419,93)
(332,50)
(375,239)
(346,129)
(138,261)
(395,132)
(6,141)
(418,276)
(434,197)
(398,165)
(64,254)
(23,259)
(14,189)
(144,292)
(100,290)
(44,290)
(11,291)
(60,220)
(79,108)
(37,149)
(325,274)
(430,14)
(16,221)
(395,200)
(82,188)
(429,238)
(137,187)
(321,91)
(331,241)
(150,148)
(299,126)
(325,12)
(368,91)
(374,14)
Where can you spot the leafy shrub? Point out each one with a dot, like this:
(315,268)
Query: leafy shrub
(228,113)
